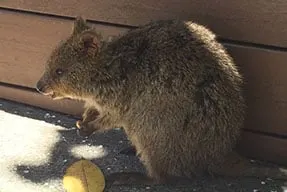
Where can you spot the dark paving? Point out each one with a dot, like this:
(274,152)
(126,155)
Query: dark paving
(113,141)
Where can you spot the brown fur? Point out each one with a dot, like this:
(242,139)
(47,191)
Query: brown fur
(169,84)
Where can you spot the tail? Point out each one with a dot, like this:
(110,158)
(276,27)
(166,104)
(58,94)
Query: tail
(236,165)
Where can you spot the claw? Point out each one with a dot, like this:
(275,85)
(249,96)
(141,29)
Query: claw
(79,124)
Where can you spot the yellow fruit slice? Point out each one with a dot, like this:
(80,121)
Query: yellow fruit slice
(84,176)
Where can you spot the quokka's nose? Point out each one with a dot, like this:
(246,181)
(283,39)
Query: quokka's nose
(43,88)
(40,87)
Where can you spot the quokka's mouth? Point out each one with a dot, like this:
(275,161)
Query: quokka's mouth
(57,96)
(53,95)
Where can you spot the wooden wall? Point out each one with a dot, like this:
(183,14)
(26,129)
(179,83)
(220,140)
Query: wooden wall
(254,32)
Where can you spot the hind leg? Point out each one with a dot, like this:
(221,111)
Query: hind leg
(160,172)
(156,169)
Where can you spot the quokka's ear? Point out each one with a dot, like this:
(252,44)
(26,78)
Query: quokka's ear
(80,25)
(90,42)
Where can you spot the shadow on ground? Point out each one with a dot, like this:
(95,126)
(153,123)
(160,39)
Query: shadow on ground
(105,154)
(70,147)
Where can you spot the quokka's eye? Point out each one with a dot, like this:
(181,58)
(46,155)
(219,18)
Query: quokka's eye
(59,71)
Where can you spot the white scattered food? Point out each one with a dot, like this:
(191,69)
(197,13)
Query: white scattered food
(25,142)
(88,152)
(283,170)
(47,115)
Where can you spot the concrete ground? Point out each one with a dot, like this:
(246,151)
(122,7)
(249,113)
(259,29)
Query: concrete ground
(37,146)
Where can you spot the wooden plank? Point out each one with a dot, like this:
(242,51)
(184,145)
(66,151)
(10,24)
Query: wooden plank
(265,78)
(33,98)
(23,55)
(252,145)
(263,147)
(258,21)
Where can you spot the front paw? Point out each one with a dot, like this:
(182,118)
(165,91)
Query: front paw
(84,129)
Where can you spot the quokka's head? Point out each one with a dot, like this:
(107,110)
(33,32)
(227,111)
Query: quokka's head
(67,68)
